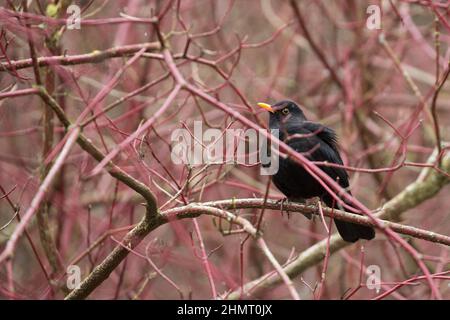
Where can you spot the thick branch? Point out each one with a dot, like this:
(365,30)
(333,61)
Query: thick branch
(308,258)
(41,193)
(93,57)
(427,185)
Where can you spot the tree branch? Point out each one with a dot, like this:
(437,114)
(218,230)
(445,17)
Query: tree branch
(427,185)
(93,57)
(308,258)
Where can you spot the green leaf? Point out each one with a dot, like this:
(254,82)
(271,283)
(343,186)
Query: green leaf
(52,10)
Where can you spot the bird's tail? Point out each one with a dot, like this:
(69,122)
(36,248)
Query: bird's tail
(350,232)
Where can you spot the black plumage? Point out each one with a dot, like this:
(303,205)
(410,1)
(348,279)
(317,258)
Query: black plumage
(317,143)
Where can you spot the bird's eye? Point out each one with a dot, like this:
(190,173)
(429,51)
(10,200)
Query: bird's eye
(285,111)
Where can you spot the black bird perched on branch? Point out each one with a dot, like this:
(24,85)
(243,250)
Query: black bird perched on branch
(317,143)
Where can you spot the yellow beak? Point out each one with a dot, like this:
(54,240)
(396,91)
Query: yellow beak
(265,106)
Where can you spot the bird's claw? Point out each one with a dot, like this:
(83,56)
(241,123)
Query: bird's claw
(283,201)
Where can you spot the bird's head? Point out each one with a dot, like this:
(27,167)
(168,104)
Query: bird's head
(283,113)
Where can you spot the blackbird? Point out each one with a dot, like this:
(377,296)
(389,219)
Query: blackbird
(317,143)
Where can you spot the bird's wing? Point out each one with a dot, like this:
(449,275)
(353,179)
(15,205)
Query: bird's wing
(321,141)
(326,134)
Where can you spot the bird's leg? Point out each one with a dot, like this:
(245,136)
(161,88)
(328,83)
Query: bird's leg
(282,202)
(297,200)
(310,202)
(306,202)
